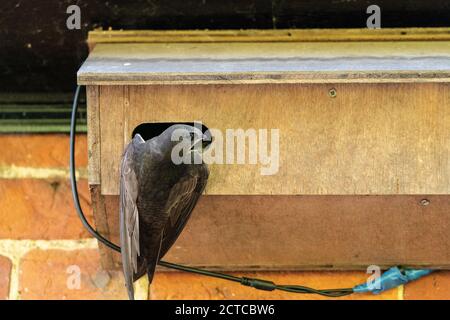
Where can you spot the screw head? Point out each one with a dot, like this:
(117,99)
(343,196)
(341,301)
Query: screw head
(424,202)
(332,93)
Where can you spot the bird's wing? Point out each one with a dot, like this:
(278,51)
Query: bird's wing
(161,234)
(182,200)
(129,216)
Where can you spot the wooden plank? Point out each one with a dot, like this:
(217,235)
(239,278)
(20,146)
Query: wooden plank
(93,123)
(369,139)
(279,35)
(312,232)
(284,62)
(39,112)
(265,78)
(103,215)
(112,136)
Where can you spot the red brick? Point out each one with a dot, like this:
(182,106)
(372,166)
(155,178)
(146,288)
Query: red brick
(41,209)
(48,274)
(41,150)
(435,286)
(5,272)
(175,285)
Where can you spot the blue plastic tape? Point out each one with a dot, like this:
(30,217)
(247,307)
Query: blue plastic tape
(390,279)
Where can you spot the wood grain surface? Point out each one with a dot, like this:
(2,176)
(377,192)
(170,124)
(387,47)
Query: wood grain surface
(267,62)
(94,139)
(309,232)
(270,35)
(368,139)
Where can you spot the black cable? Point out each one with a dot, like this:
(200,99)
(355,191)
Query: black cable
(73,180)
(251,282)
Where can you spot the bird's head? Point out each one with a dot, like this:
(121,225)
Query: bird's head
(185,138)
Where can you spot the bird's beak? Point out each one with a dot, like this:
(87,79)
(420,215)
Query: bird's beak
(207,140)
(202,143)
(197,145)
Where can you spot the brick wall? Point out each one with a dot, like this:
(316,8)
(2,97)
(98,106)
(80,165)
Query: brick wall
(46,254)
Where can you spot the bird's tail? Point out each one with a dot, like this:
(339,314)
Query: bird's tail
(151,272)
(130,290)
(142,270)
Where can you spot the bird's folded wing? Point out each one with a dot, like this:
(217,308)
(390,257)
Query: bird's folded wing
(181,202)
(129,216)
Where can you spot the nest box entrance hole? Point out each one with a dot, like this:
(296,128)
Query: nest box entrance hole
(154,129)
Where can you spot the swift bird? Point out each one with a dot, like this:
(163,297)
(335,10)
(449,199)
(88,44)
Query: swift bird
(157,197)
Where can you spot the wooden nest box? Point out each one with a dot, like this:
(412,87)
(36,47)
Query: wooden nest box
(364,141)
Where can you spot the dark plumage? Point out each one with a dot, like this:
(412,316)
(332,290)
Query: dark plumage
(156,200)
